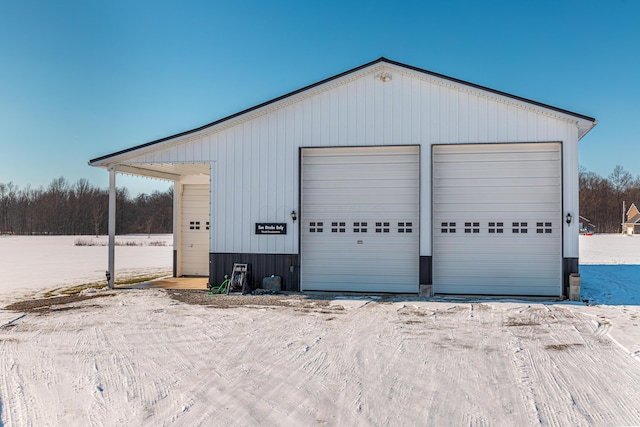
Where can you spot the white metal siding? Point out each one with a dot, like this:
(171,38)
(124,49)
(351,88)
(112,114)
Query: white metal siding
(195,230)
(256,173)
(360,219)
(497,219)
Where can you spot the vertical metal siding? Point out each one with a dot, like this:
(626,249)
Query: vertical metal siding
(256,156)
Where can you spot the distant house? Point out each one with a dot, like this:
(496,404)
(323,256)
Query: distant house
(586,226)
(632,224)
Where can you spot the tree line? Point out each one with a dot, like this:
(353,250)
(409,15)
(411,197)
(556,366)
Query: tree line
(602,199)
(80,208)
(65,208)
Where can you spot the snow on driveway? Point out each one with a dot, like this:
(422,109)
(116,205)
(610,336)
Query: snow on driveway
(141,357)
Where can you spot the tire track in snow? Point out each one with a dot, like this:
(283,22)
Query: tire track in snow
(407,363)
(554,382)
(19,401)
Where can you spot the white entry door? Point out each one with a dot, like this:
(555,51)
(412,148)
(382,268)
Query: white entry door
(195,230)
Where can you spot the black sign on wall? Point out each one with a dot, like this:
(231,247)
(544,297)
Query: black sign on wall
(271,228)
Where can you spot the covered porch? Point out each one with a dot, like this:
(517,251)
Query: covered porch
(191,243)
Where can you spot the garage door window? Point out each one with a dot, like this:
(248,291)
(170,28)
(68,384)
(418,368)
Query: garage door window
(448,227)
(382,227)
(316,227)
(474,230)
(338,227)
(496,227)
(405,227)
(519,228)
(544,228)
(359,227)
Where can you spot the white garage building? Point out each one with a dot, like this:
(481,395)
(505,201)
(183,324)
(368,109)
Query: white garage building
(380,179)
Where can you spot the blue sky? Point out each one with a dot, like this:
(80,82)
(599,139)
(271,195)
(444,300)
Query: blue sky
(81,79)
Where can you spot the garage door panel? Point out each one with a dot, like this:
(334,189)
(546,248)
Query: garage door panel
(443,183)
(543,210)
(482,261)
(469,171)
(365,174)
(364,161)
(368,195)
(318,209)
(505,166)
(332,265)
(506,287)
(486,275)
(486,193)
(533,197)
(497,220)
(480,183)
(498,244)
(360,219)
(354,284)
(328,256)
(496,150)
(336,182)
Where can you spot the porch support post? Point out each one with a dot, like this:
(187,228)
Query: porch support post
(212,217)
(177,231)
(112,226)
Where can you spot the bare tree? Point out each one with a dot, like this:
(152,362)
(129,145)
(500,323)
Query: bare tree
(98,207)
(80,208)
(620,182)
(7,203)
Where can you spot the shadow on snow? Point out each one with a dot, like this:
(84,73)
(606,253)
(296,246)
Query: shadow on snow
(610,284)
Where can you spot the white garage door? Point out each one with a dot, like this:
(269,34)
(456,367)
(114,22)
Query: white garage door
(360,210)
(497,219)
(195,230)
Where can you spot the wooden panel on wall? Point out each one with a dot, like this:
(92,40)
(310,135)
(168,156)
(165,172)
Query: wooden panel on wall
(260,265)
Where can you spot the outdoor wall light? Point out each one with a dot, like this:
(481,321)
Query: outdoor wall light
(568,218)
(294,215)
(383,77)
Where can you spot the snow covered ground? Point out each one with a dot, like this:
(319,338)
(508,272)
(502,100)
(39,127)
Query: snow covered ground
(33,265)
(610,269)
(141,357)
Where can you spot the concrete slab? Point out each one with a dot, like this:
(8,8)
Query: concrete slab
(172,283)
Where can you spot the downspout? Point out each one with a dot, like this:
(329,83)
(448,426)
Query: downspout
(112,226)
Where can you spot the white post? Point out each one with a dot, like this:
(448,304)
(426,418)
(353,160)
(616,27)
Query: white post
(177,231)
(112,226)
(623,217)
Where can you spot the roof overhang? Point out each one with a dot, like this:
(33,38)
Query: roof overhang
(166,171)
(585,126)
